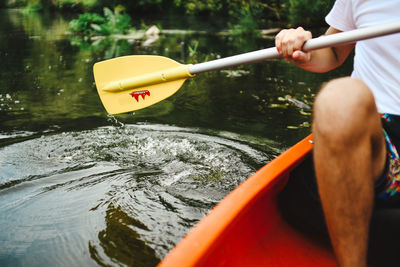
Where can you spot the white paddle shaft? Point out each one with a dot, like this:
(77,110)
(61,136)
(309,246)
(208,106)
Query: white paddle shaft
(313,44)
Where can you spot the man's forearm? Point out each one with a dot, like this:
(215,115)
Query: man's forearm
(322,60)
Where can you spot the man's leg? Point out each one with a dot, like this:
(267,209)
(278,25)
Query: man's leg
(349,156)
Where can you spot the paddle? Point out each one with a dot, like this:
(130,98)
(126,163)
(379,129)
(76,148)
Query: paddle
(134,82)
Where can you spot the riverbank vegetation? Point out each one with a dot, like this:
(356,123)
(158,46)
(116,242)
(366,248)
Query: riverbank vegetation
(90,24)
(247,13)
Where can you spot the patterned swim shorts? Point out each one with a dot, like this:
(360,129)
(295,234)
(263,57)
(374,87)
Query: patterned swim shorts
(389,184)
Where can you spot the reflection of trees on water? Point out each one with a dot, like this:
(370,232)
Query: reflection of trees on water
(120,243)
(109,47)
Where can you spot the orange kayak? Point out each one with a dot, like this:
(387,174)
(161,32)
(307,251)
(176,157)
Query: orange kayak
(247,229)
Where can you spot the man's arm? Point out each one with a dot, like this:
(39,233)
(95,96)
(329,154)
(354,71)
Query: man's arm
(289,43)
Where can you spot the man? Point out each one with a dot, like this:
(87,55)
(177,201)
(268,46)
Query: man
(355,159)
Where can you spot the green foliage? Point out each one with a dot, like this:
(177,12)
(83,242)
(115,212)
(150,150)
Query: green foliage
(195,56)
(246,25)
(116,23)
(308,12)
(32,6)
(89,24)
(75,5)
(193,49)
(196,7)
(241,16)
(82,25)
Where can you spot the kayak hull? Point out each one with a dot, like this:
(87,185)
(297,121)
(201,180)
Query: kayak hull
(247,229)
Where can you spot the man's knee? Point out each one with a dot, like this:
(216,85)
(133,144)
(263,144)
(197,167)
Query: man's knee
(342,107)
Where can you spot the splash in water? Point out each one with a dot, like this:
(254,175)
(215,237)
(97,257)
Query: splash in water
(113,195)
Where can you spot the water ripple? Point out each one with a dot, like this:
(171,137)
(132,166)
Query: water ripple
(115,195)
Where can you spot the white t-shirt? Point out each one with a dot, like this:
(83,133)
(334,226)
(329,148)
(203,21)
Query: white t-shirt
(377,60)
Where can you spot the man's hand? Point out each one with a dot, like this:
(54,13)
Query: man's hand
(289,44)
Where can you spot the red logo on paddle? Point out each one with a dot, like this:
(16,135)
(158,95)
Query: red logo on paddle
(142,93)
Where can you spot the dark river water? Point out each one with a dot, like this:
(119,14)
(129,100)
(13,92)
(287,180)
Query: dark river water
(79,187)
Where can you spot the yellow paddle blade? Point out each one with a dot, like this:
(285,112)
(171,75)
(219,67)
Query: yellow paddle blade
(134,82)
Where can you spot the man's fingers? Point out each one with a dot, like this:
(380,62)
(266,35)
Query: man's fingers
(291,40)
(278,40)
(300,56)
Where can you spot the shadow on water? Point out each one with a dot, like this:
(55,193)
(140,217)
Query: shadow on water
(81,188)
(120,243)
